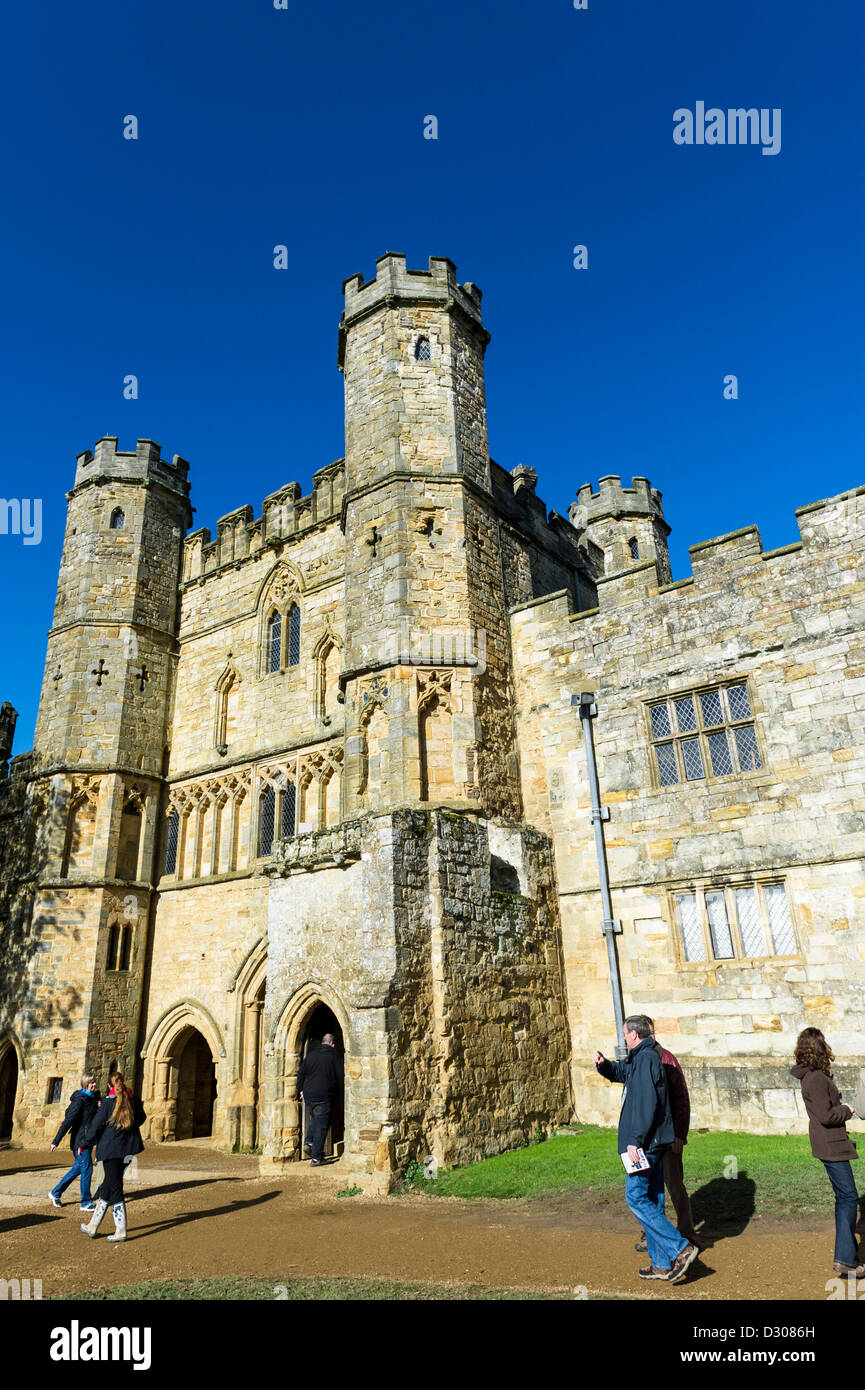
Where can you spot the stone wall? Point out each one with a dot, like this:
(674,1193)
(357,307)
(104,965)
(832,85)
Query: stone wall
(788,626)
(450,994)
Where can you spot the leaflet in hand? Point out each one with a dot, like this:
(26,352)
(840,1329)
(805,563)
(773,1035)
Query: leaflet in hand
(640,1166)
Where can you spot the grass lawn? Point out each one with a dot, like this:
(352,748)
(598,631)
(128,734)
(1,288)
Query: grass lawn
(302,1290)
(729,1176)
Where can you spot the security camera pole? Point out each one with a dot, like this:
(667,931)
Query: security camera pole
(609,926)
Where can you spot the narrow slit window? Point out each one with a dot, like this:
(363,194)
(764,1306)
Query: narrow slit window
(126,949)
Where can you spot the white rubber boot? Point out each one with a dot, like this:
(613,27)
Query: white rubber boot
(118,1211)
(93,1224)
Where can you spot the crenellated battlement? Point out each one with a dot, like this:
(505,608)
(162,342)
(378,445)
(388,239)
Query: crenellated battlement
(285,514)
(144,464)
(392,282)
(612,500)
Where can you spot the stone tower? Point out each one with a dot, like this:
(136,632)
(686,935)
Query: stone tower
(627,523)
(426,665)
(99,757)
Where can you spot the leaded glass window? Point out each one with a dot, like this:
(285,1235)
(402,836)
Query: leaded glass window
(780,922)
(692,934)
(293,635)
(750,926)
(171,837)
(737,922)
(289,804)
(266,821)
(274,642)
(719,926)
(668,770)
(704,734)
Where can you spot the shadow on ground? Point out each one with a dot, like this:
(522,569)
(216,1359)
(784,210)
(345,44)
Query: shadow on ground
(20,1223)
(723,1207)
(141,1232)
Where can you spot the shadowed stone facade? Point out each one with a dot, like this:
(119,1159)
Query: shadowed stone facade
(324,770)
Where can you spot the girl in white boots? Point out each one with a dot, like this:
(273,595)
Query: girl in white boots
(116,1131)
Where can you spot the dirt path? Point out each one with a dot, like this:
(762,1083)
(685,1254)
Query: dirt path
(196,1214)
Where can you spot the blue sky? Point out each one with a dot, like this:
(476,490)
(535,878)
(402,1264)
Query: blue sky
(304,126)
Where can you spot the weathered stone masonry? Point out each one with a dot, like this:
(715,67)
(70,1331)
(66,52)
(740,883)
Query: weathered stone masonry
(325,770)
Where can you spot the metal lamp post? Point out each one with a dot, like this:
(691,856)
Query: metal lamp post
(610,926)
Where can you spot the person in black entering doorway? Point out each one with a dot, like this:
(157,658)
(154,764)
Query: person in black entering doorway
(116,1131)
(318,1083)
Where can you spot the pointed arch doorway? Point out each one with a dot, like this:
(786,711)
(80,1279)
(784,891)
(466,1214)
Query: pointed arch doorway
(194,1070)
(322,1020)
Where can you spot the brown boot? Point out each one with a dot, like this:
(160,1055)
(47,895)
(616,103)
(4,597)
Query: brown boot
(682,1263)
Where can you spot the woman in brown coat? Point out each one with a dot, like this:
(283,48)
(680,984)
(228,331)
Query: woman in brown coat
(828,1116)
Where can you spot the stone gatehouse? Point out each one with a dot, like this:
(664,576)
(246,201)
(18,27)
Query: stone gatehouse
(324,771)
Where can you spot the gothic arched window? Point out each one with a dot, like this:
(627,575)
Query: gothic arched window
(293,635)
(266,821)
(274,642)
(422,350)
(289,805)
(118,520)
(171,838)
(634,547)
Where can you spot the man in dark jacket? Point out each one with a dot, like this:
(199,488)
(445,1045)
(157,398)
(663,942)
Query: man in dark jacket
(318,1083)
(674,1174)
(82,1106)
(646,1123)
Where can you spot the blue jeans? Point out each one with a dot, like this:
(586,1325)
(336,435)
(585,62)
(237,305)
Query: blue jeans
(318,1114)
(644,1194)
(82,1168)
(846,1209)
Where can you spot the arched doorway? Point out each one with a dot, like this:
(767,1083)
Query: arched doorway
(8,1090)
(195,1070)
(320,1021)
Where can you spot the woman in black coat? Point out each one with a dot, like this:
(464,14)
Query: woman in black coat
(116,1132)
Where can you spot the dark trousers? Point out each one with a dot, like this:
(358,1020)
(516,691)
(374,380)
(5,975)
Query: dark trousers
(318,1113)
(110,1190)
(846,1209)
(82,1168)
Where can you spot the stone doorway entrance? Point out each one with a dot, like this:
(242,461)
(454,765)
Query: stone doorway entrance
(320,1021)
(8,1090)
(196,1086)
